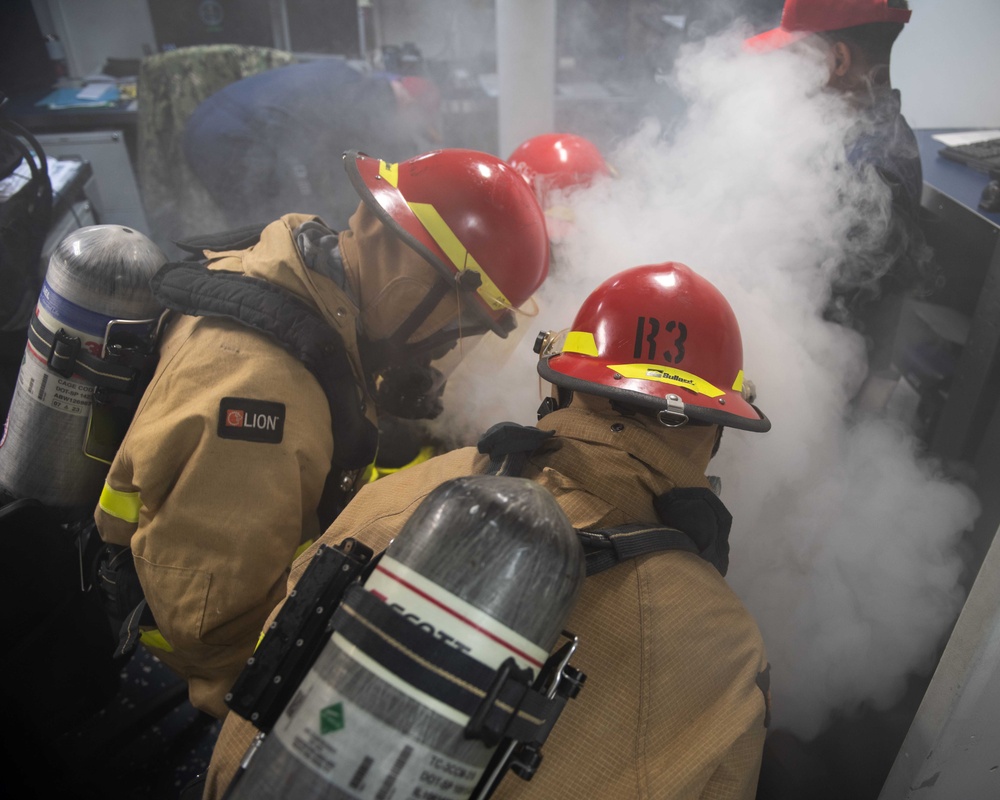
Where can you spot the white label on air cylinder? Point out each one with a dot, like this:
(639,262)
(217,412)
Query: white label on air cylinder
(448,618)
(363,756)
(43,385)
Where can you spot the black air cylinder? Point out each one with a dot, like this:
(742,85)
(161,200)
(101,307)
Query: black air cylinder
(489,565)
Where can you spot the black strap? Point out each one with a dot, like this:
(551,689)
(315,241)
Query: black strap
(235,239)
(66,356)
(500,703)
(702,515)
(289,321)
(129,634)
(694,518)
(607,547)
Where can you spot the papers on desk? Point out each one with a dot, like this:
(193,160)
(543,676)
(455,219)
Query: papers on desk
(61,172)
(967,137)
(91,95)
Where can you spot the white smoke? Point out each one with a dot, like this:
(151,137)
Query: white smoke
(843,545)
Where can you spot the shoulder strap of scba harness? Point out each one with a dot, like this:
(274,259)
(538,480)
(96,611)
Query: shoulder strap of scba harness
(694,519)
(193,289)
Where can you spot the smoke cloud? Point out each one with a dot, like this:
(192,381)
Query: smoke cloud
(845,534)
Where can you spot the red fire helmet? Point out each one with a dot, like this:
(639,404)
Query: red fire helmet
(558,161)
(799,18)
(659,337)
(465,212)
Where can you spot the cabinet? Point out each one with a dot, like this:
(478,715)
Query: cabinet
(115,192)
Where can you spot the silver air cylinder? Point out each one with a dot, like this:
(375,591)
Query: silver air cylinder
(96,274)
(487,564)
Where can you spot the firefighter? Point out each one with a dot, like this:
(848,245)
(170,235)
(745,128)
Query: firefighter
(262,415)
(677,695)
(555,164)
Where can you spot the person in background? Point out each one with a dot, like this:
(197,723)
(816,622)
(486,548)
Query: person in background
(856,38)
(676,701)
(261,418)
(269,144)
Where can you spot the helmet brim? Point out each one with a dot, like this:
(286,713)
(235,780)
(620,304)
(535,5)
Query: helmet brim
(591,377)
(774,39)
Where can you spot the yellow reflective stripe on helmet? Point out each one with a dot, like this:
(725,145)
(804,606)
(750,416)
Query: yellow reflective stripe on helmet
(153,638)
(738,383)
(678,377)
(460,257)
(580,342)
(389,172)
(123,505)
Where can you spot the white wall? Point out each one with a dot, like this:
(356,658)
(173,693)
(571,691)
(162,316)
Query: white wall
(946,63)
(94,30)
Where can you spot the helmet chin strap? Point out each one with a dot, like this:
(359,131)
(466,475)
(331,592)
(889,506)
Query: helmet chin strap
(395,350)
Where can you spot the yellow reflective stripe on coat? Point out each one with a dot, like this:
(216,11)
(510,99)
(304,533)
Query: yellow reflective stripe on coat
(302,548)
(123,505)
(153,638)
(299,551)
(373,472)
(677,377)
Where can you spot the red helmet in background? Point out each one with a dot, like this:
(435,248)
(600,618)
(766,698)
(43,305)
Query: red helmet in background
(470,215)
(558,161)
(659,337)
(800,18)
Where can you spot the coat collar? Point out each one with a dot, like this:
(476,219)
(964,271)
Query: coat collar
(638,459)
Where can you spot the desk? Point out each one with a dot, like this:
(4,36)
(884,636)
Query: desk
(965,240)
(940,757)
(105,137)
(38,119)
(120,120)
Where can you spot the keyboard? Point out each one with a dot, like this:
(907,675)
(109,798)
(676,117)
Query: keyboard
(982,156)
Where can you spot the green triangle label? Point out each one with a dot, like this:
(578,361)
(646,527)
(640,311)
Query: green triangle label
(331,719)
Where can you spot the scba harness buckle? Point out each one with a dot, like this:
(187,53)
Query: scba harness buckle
(558,682)
(131,347)
(62,356)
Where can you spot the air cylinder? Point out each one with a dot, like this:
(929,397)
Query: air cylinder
(487,564)
(96,274)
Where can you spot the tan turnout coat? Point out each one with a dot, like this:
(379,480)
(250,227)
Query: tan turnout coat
(214,523)
(672,707)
